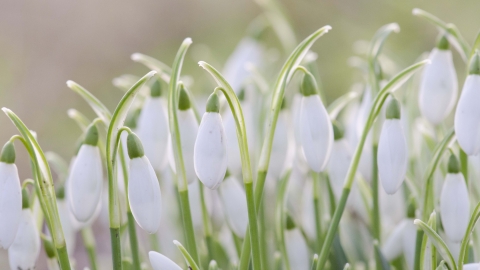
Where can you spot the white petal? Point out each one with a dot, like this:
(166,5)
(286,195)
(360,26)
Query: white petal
(69,231)
(188,126)
(235,203)
(338,165)
(195,204)
(409,239)
(454,206)
(85,182)
(144,194)
(316,132)
(152,129)
(467,126)
(471,266)
(439,87)
(24,251)
(247,51)
(161,262)
(297,249)
(280,146)
(392,155)
(210,153)
(392,248)
(10,203)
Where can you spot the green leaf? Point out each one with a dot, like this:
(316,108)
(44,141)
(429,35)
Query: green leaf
(314,262)
(98,107)
(379,39)
(280,217)
(81,120)
(468,234)
(382,263)
(438,242)
(337,105)
(186,255)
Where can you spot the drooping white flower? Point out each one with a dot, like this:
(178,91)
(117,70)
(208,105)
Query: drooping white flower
(69,231)
(143,188)
(315,127)
(235,203)
(161,262)
(85,181)
(188,127)
(297,248)
(454,202)
(281,145)
(24,251)
(471,266)
(339,160)
(467,126)
(401,241)
(439,85)
(210,152)
(392,150)
(10,196)
(247,51)
(152,128)
(408,242)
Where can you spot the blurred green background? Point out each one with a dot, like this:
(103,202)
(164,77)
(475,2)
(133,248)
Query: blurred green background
(45,43)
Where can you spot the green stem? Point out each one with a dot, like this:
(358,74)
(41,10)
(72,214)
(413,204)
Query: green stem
(464,164)
(63,257)
(263,236)
(132,233)
(89,242)
(207,227)
(316,205)
(188,224)
(252,217)
(376,205)
(116,248)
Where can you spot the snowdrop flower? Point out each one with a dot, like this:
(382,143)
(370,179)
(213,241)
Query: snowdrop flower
(467,126)
(281,145)
(248,50)
(24,251)
(454,202)
(392,150)
(297,248)
(188,126)
(161,262)
(339,160)
(152,127)
(439,85)
(235,203)
(143,187)
(69,229)
(10,196)
(471,266)
(365,166)
(315,126)
(86,178)
(210,152)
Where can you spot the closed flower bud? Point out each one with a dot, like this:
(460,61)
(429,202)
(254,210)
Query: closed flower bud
(85,182)
(467,126)
(454,202)
(152,128)
(161,262)
(315,126)
(143,187)
(339,160)
(24,251)
(210,152)
(188,126)
(439,85)
(10,196)
(392,150)
(233,197)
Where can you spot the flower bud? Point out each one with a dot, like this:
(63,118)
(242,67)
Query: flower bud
(454,202)
(210,152)
(234,201)
(315,126)
(85,182)
(25,249)
(143,188)
(392,150)
(467,126)
(10,196)
(161,262)
(152,128)
(439,85)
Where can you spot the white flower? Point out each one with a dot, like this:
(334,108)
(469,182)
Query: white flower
(24,251)
(10,196)
(210,152)
(392,150)
(467,126)
(297,249)
(152,129)
(315,127)
(454,203)
(471,266)
(408,242)
(281,145)
(439,86)
(143,188)
(85,182)
(339,160)
(235,203)
(401,240)
(161,262)
(69,231)
(247,51)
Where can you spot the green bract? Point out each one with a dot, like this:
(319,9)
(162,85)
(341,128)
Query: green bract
(8,153)
(135,147)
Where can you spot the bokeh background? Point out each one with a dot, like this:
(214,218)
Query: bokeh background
(45,43)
